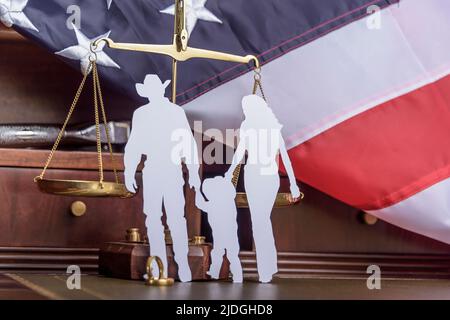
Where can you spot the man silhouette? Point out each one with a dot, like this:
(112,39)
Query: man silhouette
(152,134)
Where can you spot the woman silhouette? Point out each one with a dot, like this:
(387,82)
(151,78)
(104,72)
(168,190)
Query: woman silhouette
(260,136)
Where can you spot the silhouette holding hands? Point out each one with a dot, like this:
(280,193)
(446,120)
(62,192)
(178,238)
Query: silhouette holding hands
(222,214)
(260,137)
(152,135)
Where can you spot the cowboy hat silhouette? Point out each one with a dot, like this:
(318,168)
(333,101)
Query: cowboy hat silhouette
(152,86)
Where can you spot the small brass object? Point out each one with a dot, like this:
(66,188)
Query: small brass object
(133,235)
(198,240)
(167,236)
(369,219)
(160,281)
(78,208)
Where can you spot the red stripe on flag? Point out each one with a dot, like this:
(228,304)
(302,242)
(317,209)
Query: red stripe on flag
(383,155)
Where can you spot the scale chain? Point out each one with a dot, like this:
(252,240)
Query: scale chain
(105,122)
(97,126)
(66,121)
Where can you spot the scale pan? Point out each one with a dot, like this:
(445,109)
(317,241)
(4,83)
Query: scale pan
(283,199)
(83,188)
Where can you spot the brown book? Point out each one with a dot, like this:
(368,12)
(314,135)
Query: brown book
(128,261)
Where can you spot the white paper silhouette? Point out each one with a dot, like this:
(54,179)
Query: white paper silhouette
(222,214)
(152,132)
(156,132)
(260,137)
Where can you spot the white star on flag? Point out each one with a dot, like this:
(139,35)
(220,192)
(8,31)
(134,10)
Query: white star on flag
(11,13)
(108,2)
(82,52)
(195,10)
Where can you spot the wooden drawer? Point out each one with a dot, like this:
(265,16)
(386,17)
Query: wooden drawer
(322,224)
(29,217)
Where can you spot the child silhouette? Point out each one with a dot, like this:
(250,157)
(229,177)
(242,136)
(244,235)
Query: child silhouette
(222,213)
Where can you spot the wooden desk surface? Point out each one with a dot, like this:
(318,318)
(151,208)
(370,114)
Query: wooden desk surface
(96,287)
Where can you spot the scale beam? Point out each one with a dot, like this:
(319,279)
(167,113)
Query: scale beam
(172,51)
(179,49)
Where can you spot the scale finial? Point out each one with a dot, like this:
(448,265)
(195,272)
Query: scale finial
(181,35)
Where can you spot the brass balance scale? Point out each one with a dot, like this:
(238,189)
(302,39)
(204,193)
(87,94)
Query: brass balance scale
(178,51)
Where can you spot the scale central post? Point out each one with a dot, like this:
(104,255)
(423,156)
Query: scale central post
(180,40)
(179,49)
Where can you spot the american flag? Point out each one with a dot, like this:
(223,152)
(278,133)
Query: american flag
(361,86)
